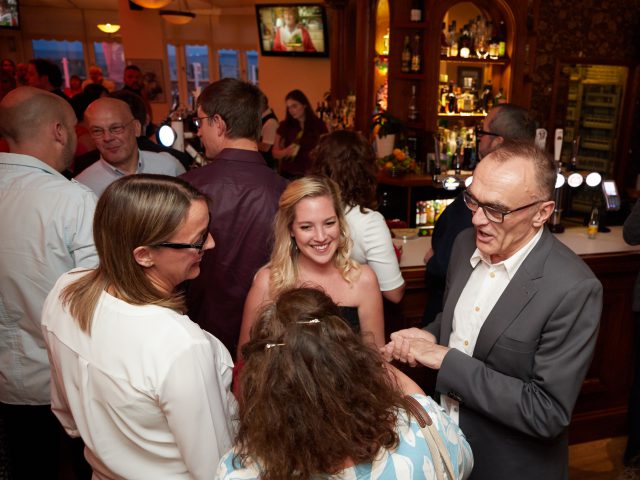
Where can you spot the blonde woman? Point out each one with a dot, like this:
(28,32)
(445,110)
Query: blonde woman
(312,248)
(144,386)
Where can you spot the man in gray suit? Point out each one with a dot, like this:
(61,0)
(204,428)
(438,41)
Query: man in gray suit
(519,325)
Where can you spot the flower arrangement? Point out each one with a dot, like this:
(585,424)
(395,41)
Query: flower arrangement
(398,163)
(383,123)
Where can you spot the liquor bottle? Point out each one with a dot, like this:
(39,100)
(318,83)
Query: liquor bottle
(502,39)
(413,109)
(416,57)
(416,11)
(405,66)
(453,40)
(444,44)
(594,221)
(452,101)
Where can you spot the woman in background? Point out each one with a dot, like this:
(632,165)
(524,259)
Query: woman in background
(144,386)
(318,402)
(297,135)
(349,160)
(312,248)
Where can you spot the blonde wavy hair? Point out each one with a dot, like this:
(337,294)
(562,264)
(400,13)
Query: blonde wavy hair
(283,262)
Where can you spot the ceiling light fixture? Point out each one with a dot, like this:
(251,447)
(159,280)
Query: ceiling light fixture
(152,3)
(108,27)
(182,16)
(177,17)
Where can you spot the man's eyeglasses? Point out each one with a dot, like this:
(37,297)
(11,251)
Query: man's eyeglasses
(480,133)
(183,246)
(116,129)
(197,121)
(493,214)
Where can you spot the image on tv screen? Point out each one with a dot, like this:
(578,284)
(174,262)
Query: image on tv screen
(9,14)
(292,30)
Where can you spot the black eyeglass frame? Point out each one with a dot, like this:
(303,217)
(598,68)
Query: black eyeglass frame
(100,133)
(480,132)
(494,212)
(197,120)
(181,246)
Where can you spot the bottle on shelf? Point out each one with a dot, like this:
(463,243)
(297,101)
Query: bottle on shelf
(502,39)
(444,44)
(416,11)
(405,65)
(416,57)
(453,40)
(594,222)
(413,108)
(499,97)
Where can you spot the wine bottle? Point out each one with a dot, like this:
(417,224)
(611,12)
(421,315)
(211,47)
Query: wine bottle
(416,58)
(413,109)
(444,45)
(416,11)
(405,66)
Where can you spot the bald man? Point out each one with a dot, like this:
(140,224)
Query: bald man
(114,129)
(46,223)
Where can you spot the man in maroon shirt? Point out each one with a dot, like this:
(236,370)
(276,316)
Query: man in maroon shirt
(244,195)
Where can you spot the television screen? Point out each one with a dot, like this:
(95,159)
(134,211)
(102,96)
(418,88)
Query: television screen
(298,30)
(9,16)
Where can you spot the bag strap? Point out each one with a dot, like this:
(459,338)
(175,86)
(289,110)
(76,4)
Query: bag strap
(439,452)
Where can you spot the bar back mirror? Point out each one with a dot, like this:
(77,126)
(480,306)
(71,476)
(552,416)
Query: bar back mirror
(588,106)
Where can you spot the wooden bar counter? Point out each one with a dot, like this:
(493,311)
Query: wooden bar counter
(601,409)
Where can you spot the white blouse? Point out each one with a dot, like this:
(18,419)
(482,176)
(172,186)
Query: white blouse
(148,391)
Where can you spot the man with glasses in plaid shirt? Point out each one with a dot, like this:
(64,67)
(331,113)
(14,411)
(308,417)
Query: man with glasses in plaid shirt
(521,313)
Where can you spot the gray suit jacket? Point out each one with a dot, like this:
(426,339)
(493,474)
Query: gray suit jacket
(518,390)
(631,235)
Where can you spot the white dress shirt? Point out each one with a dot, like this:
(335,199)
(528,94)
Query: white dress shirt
(47,229)
(148,391)
(102,174)
(481,293)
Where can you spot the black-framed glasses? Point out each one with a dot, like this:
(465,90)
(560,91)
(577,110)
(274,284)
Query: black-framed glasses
(183,246)
(197,121)
(493,214)
(117,129)
(480,133)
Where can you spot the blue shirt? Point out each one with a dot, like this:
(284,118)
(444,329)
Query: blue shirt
(47,229)
(411,460)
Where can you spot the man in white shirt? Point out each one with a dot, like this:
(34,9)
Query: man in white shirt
(519,325)
(46,223)
(114,130)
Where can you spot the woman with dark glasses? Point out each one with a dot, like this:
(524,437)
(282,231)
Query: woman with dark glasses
(145,388)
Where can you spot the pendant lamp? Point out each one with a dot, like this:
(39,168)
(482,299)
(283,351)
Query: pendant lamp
(178,17)
(151,3)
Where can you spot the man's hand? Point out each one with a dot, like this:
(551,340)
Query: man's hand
(399,348)
(427,353)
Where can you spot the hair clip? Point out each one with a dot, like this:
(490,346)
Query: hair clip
(308,322)
(271,345)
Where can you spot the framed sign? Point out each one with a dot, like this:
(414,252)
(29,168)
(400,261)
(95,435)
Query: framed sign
(470,76)
(153,78)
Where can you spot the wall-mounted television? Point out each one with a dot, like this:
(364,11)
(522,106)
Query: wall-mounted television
(293,30)
(9,14)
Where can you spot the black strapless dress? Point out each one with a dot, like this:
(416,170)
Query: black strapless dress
(350,315)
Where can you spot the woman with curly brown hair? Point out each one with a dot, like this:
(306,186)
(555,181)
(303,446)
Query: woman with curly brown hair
(312,248)
(317,402)
(349,160)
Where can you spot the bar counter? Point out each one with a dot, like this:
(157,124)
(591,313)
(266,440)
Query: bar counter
(601,409)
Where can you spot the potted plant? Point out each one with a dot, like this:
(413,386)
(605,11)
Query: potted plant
(397,163)
(385,127)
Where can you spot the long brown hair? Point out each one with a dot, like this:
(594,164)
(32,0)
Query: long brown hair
(313,394)
(283,263)
(133,211)
(348,159)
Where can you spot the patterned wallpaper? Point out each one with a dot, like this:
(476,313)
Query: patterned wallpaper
(590,29)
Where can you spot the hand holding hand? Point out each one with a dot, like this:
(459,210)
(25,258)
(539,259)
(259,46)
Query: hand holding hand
(399,348)
(427,353)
